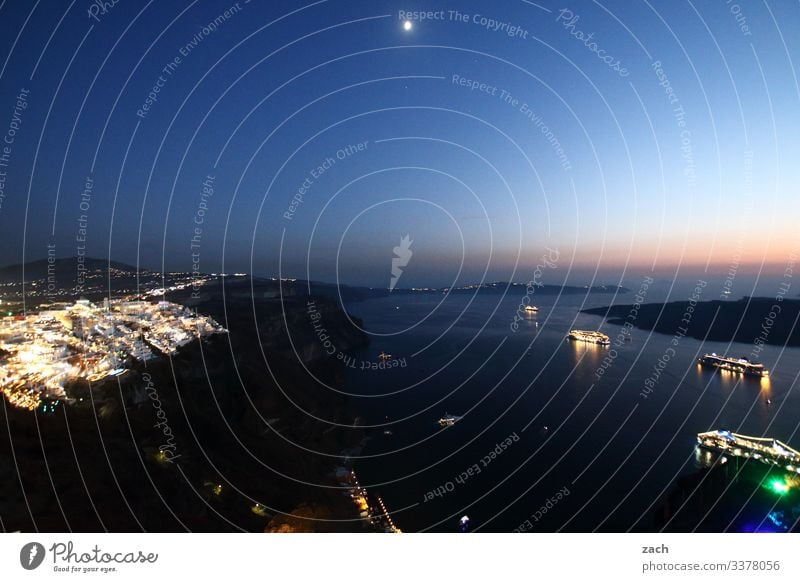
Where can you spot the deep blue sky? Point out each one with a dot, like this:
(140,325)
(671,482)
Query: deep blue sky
(263,100)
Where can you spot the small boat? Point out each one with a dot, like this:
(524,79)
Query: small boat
(448,420)
(384,356)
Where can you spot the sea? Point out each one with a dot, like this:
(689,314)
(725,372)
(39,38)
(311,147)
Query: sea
(553,435)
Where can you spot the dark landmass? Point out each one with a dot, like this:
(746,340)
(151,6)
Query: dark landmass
(67,279)
(519,288)
(240,408)
(347,293)
(726,498)
(746,320)
(66,269)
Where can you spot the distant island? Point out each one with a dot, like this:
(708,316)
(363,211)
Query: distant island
(70,278)
(753,320)
(500,287)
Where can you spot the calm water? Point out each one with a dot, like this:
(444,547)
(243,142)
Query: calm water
(614,451)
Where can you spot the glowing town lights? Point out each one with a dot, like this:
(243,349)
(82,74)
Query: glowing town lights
(48,349)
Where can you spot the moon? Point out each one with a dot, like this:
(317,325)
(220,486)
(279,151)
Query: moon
(407,25)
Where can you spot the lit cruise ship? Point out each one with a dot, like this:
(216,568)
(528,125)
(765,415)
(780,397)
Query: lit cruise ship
(765,450)
(592,337)
(740,365)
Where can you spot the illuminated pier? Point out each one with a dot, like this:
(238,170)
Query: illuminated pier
(388,518)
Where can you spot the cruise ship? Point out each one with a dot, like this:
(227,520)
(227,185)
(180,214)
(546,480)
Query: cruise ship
(531,309)
(592,337)
(740,365)
(764,450)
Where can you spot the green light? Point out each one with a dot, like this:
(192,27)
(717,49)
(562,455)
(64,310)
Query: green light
(779,486)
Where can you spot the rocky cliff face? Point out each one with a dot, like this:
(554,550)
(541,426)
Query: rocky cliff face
(196,441)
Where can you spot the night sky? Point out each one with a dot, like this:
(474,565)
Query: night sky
(308,139)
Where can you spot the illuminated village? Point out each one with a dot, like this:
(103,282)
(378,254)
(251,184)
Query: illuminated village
(41,352)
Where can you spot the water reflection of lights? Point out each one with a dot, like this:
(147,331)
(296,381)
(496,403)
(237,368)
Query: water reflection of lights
(728,376)
(584,349)
(586,346)
(705,458)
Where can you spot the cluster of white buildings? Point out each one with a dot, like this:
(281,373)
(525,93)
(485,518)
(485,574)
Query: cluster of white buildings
(40,352)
